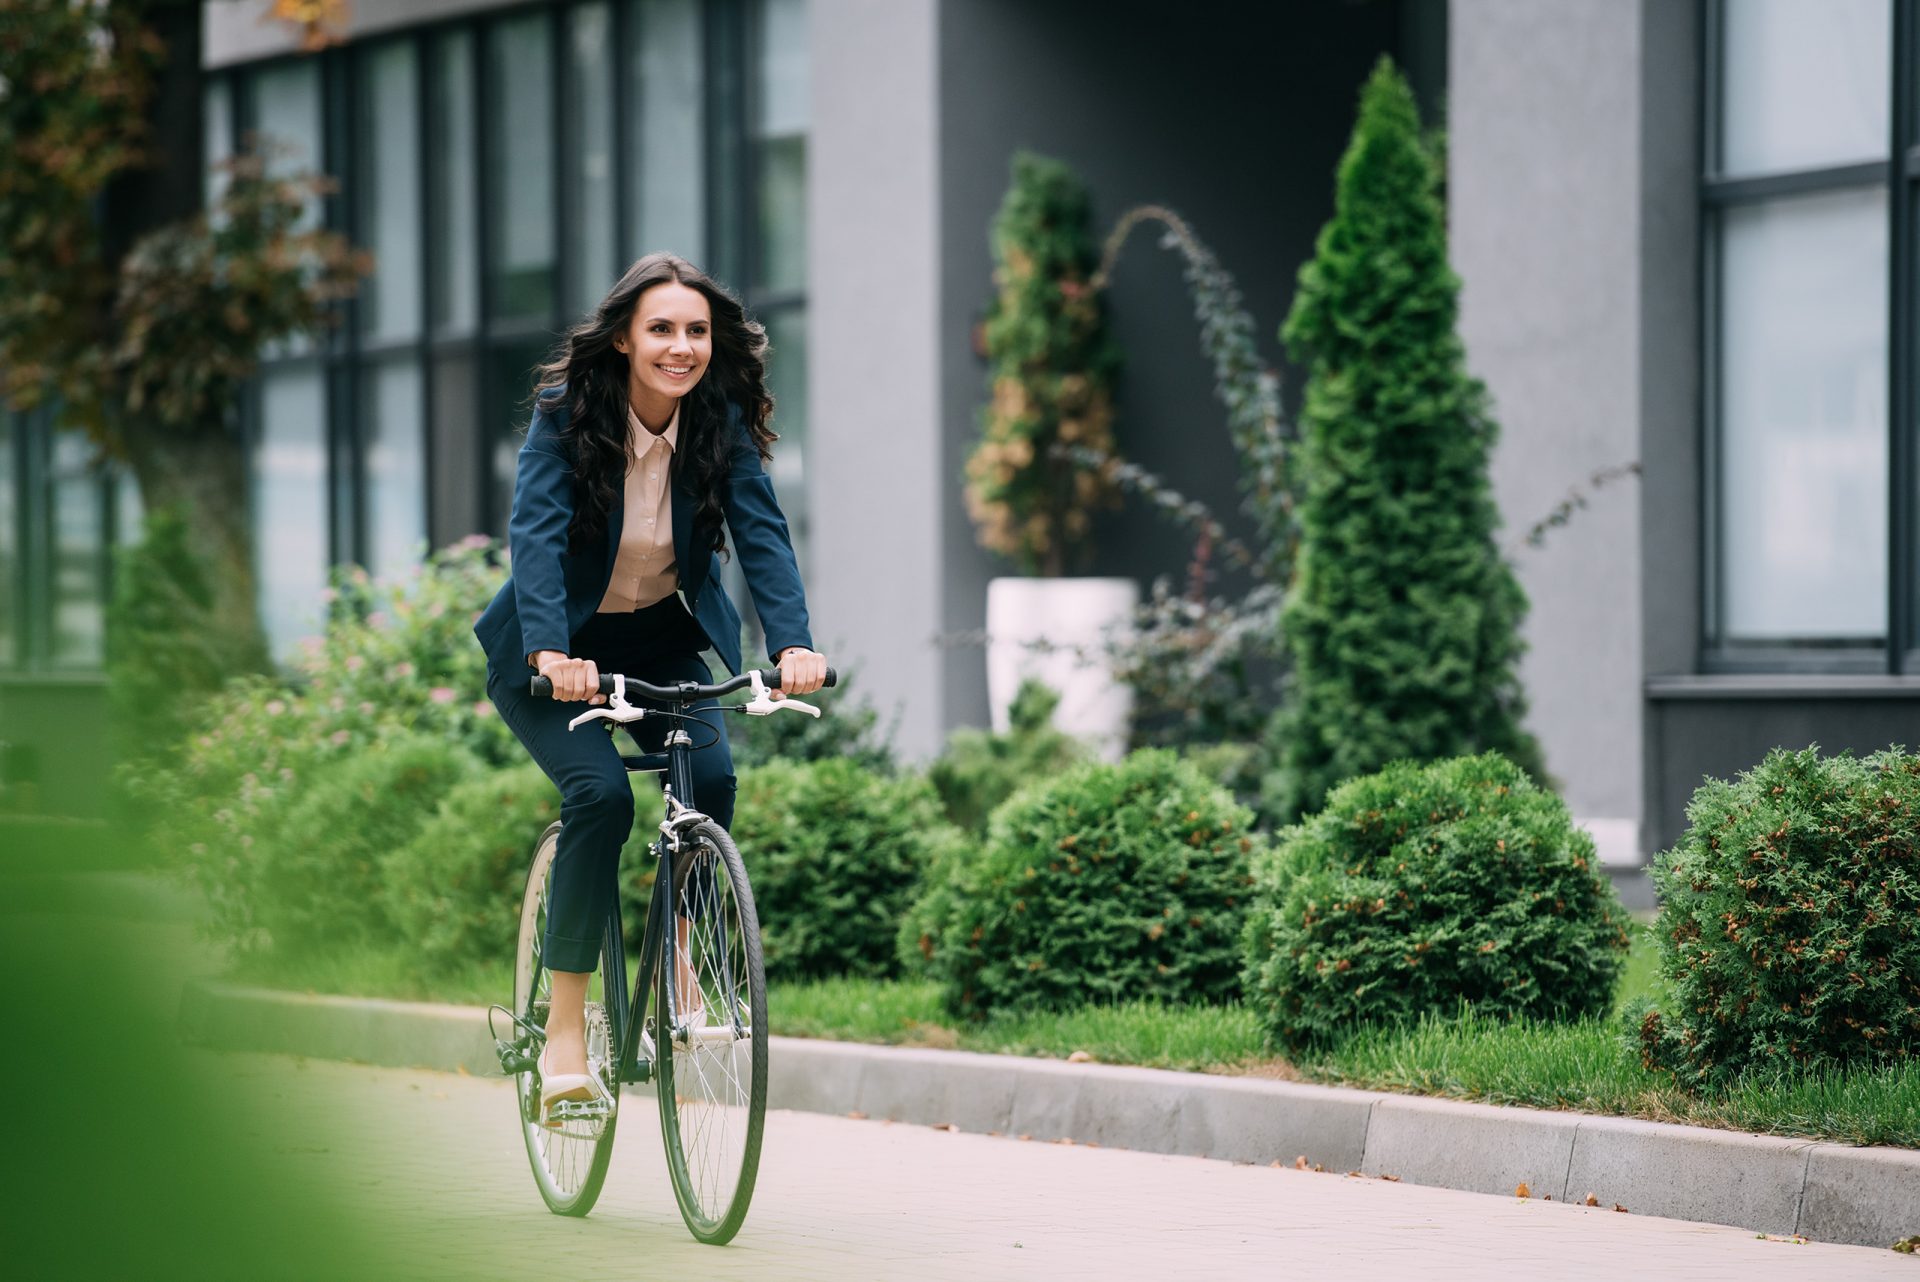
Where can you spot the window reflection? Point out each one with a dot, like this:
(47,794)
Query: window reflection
(1806,83)
(781,145)
(79,511)
(390,192)
(290,504)
(591,86)
(667,165)
(455,243)
(1804,417)
(11,429)
(520,168)
(394,453)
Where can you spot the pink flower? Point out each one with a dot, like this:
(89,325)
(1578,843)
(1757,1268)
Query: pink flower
(378,619)
(366,708)
(441,694)
(275,707)
(339,738)
(355,663)
(481,708)
(403,669)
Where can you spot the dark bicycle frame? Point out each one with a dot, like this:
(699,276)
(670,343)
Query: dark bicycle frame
(626,1012)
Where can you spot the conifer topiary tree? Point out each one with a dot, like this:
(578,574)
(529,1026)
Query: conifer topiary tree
(1402,619)
(1052,369)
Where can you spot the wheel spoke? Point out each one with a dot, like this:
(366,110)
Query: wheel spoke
(714,1112)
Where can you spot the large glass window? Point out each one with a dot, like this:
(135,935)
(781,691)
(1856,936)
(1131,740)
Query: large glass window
(454,242)
(390,181)
(667,135)
(290,503)
(559,141)
(12,581)
(396,467)
(1804,229)
(520,261)
(591,261)
(78,492)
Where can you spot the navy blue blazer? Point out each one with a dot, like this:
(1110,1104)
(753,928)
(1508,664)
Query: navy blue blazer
(553,592)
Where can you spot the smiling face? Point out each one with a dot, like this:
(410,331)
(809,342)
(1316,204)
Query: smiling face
(668,344)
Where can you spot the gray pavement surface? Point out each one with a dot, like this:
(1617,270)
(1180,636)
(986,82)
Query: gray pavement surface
(429,1167)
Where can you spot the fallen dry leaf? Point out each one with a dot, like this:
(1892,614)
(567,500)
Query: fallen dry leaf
(945,1126)
(1391,1179)
(1592,1200)
(1023,1137)
(856,1115)
(1300,1163)
(1623,1210)
(1521,1190)
(1078,1057)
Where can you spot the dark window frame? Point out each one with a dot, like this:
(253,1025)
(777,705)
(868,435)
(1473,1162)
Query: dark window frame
(1899,651)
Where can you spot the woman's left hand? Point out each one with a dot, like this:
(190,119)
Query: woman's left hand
(801,671)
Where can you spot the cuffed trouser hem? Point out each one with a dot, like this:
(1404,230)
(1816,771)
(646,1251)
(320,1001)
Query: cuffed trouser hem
(575,956)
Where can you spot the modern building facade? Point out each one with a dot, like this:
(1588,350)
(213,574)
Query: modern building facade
(1685,231)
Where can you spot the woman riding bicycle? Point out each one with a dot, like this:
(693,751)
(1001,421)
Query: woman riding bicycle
(650,428)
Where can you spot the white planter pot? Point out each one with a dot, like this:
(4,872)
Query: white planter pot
(1058,631)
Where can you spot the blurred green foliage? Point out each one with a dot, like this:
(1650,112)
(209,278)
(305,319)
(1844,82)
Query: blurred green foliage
(1789,929)
(1423,887)
(1104,883)
(1052,365)
(836,852)
(980,769)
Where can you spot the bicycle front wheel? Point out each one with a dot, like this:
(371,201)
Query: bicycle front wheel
(712,1066)
(569,1158)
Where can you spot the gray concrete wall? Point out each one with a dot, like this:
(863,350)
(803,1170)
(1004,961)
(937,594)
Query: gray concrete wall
(1545,195)
(1235,118)
(874,410)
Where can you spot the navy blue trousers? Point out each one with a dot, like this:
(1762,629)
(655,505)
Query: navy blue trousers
(660,644)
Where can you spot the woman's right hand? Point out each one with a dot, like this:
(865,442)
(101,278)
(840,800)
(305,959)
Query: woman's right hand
(573,679)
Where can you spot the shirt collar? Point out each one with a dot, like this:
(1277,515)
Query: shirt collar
(643,439)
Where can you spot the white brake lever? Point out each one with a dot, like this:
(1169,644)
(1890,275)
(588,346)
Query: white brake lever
(617,709)
(763,705)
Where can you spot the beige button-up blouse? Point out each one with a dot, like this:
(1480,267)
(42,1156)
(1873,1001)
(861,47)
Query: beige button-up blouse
(643,569)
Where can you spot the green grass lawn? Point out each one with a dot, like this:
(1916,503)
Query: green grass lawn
(1588,1066)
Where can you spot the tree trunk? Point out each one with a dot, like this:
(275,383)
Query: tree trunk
(199,473)
(203,477)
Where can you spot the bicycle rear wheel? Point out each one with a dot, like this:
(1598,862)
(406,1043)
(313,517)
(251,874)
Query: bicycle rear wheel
(712,1067)
(569,1160)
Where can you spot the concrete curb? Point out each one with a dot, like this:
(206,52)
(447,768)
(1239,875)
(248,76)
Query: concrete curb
(1828,1192)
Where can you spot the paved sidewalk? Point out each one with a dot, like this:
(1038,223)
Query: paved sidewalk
(432,1167)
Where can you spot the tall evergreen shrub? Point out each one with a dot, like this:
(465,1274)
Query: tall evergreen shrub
(1052,368)
(1402,619)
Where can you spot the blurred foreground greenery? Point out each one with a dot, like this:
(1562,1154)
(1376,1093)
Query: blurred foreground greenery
(130,1154)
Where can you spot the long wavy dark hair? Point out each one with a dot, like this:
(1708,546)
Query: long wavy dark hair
(591,375)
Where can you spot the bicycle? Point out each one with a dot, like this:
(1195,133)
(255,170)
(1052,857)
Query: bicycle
(711,1083)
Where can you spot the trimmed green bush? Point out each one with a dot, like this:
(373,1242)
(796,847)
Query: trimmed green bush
(1423,887)
(836,853)
(453,892)
(1789,930)
(1402,622)
(980,769)
(1108,883)
(316,875)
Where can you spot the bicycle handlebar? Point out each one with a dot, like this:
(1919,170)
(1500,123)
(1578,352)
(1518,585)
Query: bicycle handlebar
(684,692)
